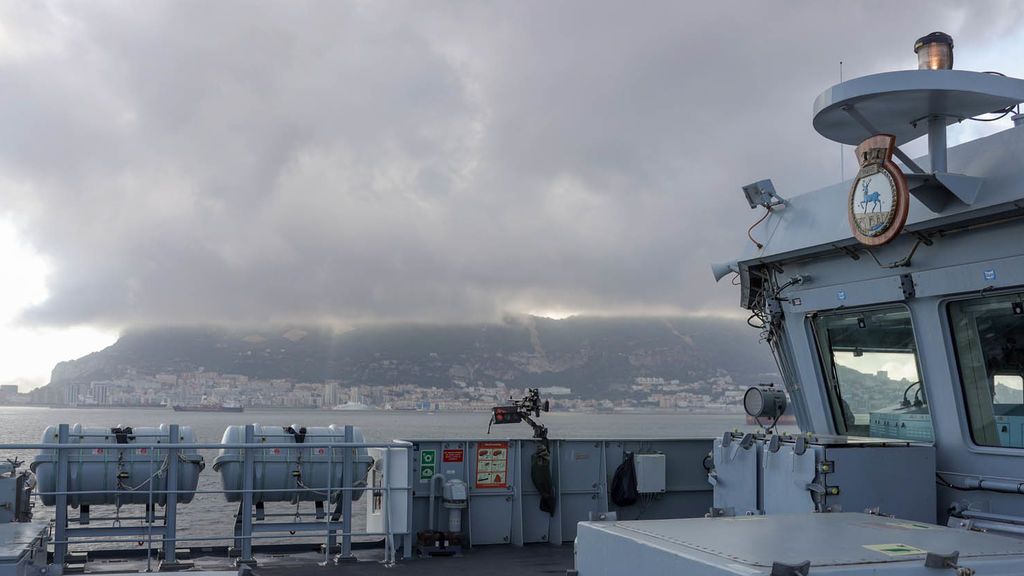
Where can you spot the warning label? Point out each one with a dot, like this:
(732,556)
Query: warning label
(452,455)
(492,465)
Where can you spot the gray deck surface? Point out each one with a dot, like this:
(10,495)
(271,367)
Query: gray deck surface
(500,560)
(489,560)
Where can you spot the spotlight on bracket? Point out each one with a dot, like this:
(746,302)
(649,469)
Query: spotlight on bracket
(764,401)
(762,193)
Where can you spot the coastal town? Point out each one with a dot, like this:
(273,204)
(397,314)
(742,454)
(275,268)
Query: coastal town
(212,389)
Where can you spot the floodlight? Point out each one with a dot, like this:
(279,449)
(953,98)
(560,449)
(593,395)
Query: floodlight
(762,193)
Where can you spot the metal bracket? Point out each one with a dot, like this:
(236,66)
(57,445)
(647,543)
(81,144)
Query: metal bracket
(747,441)
(783,569)
(800,446)
(907,285)
(947,562)
(826,467)
(866,125)
(936,190)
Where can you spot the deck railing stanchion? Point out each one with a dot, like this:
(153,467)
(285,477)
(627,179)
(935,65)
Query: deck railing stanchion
(60,547)
(150,510)
(332,538)
(248,472)
(389,542)
(170,507)
(346,496)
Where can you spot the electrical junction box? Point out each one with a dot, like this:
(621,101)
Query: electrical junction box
(650,473)
(784,474)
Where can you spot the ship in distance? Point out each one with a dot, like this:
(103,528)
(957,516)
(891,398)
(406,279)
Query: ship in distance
(223,407)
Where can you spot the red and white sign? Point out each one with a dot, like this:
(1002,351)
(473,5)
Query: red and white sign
(453,455)
(492,465)
(97,451)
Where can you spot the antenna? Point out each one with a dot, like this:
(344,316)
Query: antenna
(842,153)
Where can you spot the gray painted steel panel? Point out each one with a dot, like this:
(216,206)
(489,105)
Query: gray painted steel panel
(849,294)
(786,477)
(735,477)
(899,480)
(22,548)
(830,474)
(833,543)
(17,537)
(973,277)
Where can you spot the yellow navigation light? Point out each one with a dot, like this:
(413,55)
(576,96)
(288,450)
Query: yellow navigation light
(934,51)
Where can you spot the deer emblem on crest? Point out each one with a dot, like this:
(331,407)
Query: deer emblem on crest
(869,198)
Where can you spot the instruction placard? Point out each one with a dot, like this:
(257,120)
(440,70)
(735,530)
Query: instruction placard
(492,465)
(428,464)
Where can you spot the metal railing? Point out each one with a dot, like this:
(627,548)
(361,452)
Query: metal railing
(165,456)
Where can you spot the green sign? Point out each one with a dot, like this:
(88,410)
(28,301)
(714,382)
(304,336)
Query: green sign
(428,464)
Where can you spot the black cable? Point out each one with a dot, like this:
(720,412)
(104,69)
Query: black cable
(1002,114)
(905,401)
(902,262)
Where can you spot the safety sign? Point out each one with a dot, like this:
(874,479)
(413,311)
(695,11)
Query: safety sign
(492,465)
(428,464)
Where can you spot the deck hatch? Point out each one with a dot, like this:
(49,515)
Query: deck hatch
(824,539)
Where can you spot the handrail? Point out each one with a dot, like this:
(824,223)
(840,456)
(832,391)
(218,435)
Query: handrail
(201,445)
(165,453)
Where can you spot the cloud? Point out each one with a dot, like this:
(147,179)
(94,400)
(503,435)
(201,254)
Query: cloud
(245,162)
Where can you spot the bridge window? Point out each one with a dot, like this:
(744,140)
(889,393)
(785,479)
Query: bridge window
(870,362)
(988,334)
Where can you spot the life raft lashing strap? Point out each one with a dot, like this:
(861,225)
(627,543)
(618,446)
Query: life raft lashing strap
(300,434)
(122,435)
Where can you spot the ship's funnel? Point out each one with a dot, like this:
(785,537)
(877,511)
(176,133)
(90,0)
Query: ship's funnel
(723,269)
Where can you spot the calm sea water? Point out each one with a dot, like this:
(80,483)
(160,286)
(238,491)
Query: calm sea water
(209,515)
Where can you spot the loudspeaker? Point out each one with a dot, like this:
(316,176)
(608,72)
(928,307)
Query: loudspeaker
(723,269)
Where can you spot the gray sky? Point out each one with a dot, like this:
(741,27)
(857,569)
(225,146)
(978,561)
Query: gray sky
(247,162)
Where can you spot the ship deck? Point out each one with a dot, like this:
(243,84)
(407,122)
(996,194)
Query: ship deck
(496,560)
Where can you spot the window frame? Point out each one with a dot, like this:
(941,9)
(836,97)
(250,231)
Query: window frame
(833,392)
(957,370)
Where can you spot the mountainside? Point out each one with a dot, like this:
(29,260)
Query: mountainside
(596,357)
